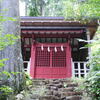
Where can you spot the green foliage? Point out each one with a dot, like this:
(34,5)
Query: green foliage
(2,62)
(6,40)
(53,8)
(85,10)
(80,82)
(27,79)
(8,75)
(93,79)
(44,7)
(95,58)
(33,11)
(33,7)
(5,91)
(93,85)
(81,10)
(4,18)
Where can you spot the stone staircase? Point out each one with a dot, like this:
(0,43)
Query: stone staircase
(54,89)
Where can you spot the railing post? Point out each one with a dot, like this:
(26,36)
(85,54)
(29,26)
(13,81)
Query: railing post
(28,67)
(79,74)
(85,69)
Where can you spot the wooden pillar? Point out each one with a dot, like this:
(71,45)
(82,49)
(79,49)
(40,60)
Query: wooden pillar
(70,58)
(32,62)
(89,48)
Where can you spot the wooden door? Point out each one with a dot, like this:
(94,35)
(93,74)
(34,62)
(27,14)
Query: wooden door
(49,60)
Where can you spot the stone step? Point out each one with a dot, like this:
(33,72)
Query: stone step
(72,84)
(52,80)
(57,89)
(59,85)
(74,98)
(50,97)
(67,89)
(71,93)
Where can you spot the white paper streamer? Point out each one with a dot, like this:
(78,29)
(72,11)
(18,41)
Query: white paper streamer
(42,48)
(48,49)
(62,48)
(55,49)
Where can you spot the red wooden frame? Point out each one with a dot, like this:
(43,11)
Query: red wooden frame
(51,72)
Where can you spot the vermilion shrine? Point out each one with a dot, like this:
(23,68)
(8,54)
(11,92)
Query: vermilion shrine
(51,49)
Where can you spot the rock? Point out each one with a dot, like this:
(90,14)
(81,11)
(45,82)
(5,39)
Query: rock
(55,82)
(57,94)
(48,87)
(22,92)
(49,98)
(67,89)
(74,98)
(63,97)
(34,96)
(59,85)
(49,92)
(72,85)
(71,93)
(53,88)
(19,97)
(66,81)
(30,86)
(78,93)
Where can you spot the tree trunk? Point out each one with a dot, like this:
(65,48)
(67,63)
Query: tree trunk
(13,53)
(42,4)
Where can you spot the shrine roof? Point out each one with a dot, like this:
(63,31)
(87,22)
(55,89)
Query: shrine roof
(53,22)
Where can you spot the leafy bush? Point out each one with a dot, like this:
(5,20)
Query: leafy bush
(27,79)
(80,82)
(5,91)
(92,84)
